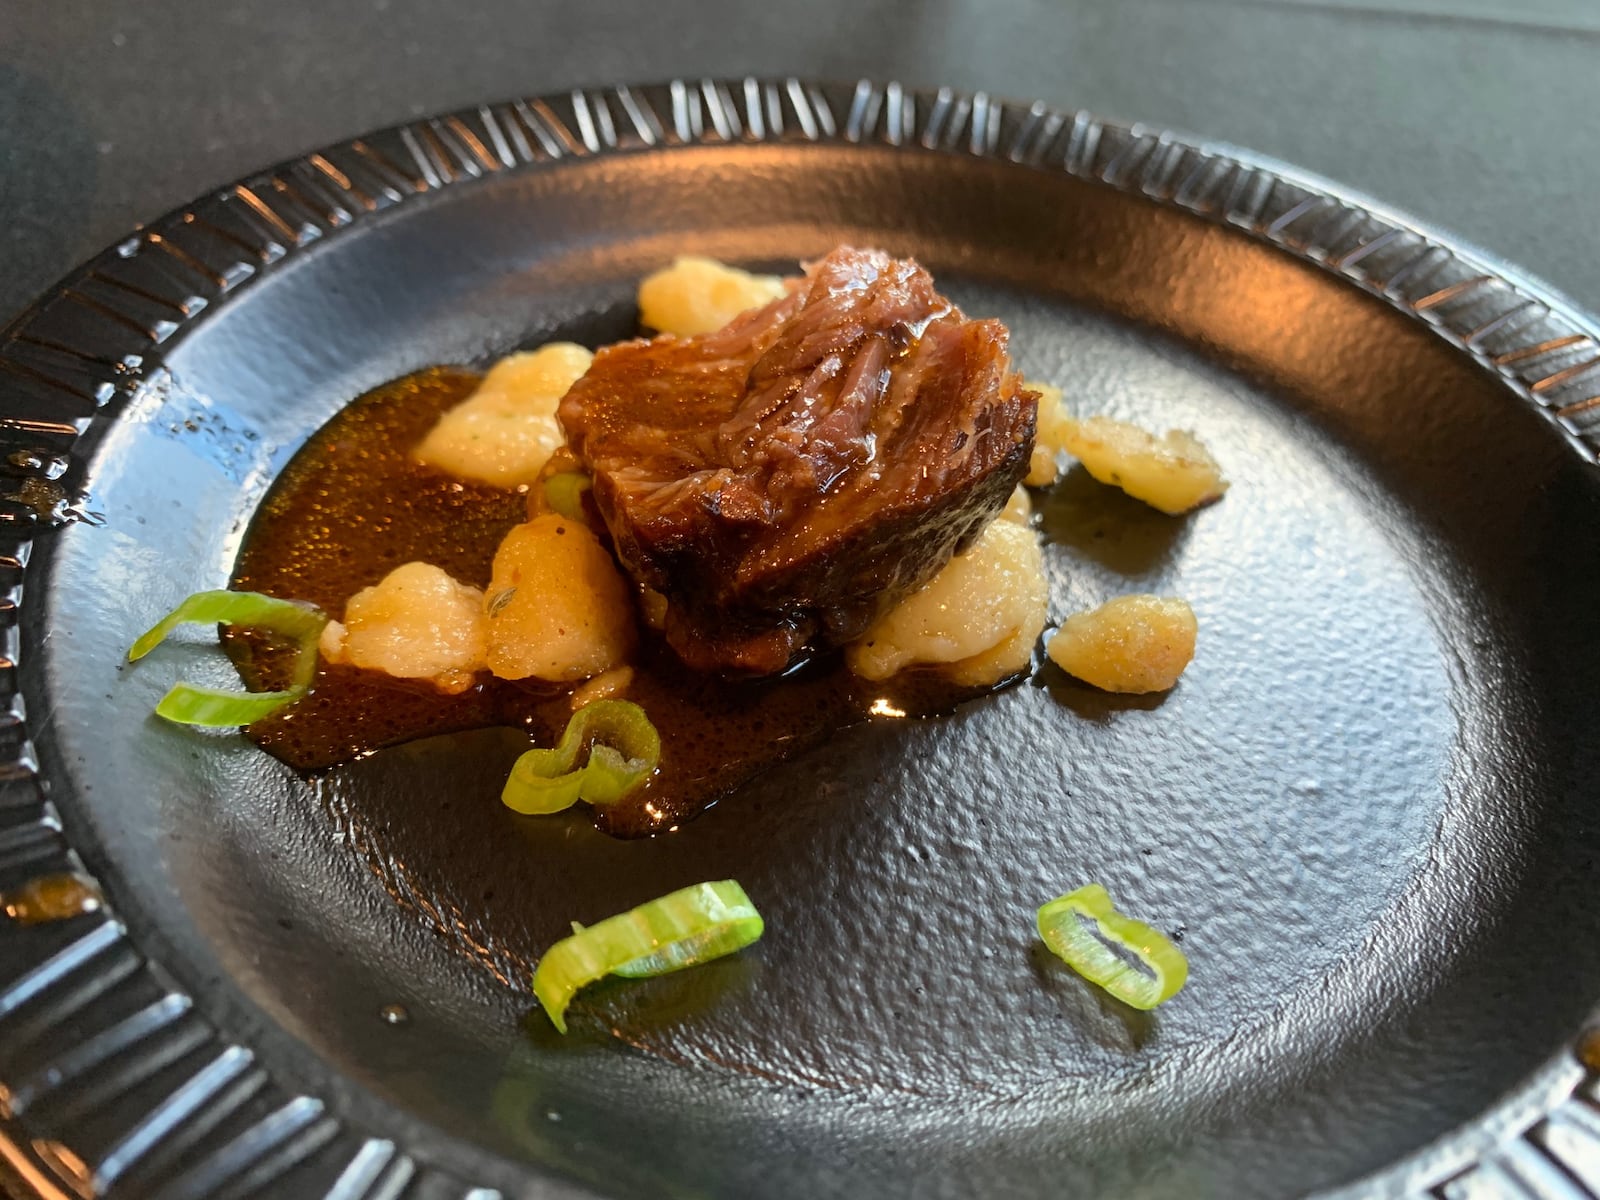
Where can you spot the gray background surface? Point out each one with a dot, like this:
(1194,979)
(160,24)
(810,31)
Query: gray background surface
(1481,117)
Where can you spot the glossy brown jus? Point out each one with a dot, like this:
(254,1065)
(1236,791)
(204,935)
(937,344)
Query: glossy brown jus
(353,505)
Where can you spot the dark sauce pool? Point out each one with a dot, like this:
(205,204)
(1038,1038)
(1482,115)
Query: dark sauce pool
(352,506)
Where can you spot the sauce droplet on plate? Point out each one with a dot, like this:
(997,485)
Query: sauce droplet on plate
(52,898)
(394,1014)
(1588,1049)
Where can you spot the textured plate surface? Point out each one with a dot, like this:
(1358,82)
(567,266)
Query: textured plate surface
(1368,809)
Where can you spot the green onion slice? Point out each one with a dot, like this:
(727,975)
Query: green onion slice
(1082,928)
(681,929)
(564,494)
(214,708)
(624,749)
(189,704)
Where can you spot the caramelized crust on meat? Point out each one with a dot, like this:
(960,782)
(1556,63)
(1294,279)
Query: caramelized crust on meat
(787,478)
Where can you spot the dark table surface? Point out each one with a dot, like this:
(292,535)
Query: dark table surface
(1478,116)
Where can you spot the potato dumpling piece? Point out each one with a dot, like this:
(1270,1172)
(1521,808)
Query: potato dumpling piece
(1007,658)
(1019,508)
(653,608)
(700,295)
(558,607)
(979,617)
(1130,644)
(505,431)
(1173,473)
(608,685)
(1050,438)
(416,623)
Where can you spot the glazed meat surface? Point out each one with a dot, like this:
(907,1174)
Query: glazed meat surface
(785,479)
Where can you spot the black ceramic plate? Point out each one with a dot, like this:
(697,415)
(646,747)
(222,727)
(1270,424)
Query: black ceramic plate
(1369,809)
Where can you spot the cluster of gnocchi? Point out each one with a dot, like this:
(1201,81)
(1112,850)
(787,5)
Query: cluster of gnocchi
(1137,643)
(980,617)
(557,607)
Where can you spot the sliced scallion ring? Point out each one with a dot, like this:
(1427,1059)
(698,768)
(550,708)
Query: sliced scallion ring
(189,704)
(682,929)
(564,494)
(624,750)
(218,708)
(1085,930)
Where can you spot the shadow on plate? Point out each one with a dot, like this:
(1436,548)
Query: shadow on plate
(1089,1007)
(1089,702)
(1108,526)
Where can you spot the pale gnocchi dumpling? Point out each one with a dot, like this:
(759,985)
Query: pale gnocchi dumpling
(557,606)
(416,623)
(505,432)
(1173,473)
(700,295)
(1134,644)
(608,685)
(977,619)
(1019,508)
(1050,436)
